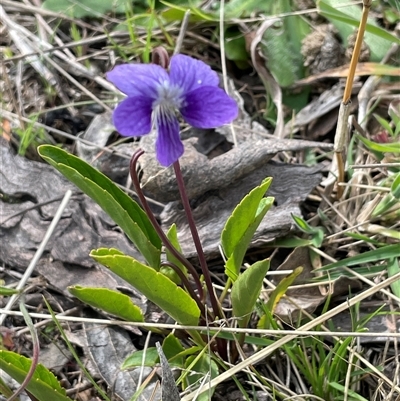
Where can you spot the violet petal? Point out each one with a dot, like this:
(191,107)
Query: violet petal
(209,107)
(132,117)
(138,79)
(189,74)
(169,147)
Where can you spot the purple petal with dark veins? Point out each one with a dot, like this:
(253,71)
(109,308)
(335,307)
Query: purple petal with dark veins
(138,79)
(132,117)
(209,107)
(190,74)
(169,147)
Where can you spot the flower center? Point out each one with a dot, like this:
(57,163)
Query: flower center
(169,100)
(168,94)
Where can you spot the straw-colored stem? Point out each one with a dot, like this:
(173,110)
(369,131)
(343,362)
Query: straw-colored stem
(340,136)
(356,52)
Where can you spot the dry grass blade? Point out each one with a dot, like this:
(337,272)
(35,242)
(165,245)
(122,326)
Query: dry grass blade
(271,332)
(20,36)
(259,356)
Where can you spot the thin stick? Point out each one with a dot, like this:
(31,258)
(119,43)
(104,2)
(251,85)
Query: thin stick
(261,332)
(182,32)
(38,254)
(223,61)
(222,43)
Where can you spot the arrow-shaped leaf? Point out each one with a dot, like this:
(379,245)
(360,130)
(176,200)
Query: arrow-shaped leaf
(246,290)
(43,385)
(110,301)
(154,285)
(115,202)
(241,226)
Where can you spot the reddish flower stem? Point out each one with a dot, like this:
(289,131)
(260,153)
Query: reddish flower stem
(221,344)
(196,239)
(160,232)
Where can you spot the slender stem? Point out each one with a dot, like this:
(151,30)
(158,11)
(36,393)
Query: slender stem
(341,130)
(225,290)
(356,51)
(35,356)
(196,239)
(221,344)
(154,222)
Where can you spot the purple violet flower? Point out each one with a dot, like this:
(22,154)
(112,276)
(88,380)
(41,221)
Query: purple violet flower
(154,96)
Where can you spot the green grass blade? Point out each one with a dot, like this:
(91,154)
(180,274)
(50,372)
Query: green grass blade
(386,252)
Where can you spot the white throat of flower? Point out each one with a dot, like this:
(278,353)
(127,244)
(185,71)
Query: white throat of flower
(169,100)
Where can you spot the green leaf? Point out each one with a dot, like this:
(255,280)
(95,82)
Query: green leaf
(110,301)
(238,8)
(291,242)
(176,13)
(85,8)
(243,216)
(281,45)
(235,45)
(135,360)
(173,348)
(392,269)
(389,200)
(380,147)
(203,367)
(347,18)
(235,261)
(5,291)
(44,385)
(154,285)
(386,252)
(172,235)
(395,187)
(302,224)
(115,202)
(361,237)
(281,288)
(385,124)
(333,275)
(267,320)
(241,226)
(4,389)
(352,395)
(317,233)
(246,290)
